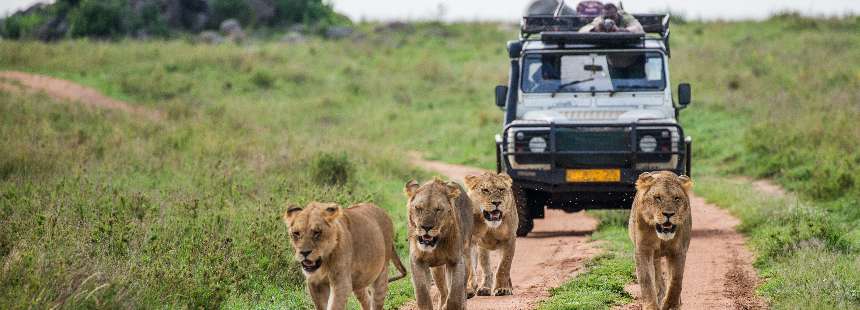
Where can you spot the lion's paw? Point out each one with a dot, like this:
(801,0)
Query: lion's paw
(503,291)
(484,291)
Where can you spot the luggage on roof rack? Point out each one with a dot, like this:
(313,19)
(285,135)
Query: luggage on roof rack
(535,24)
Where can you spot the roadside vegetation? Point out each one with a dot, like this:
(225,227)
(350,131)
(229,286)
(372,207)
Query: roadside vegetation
(102,209)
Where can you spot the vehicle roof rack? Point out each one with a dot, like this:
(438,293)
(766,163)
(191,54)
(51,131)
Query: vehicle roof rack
(564,29)
(535,24)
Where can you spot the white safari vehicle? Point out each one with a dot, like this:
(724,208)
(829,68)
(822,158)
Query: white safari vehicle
(586,113)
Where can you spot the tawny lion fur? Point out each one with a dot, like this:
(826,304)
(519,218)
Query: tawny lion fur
(352,248)
(440,230)
(492,192)
(659,226)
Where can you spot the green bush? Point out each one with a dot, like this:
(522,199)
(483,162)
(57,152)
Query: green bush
(263,79)
(226,9)
(21,26)
(95,18)
(332,169)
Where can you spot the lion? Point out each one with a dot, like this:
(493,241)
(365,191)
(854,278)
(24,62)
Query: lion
(495,219)
(659,226)
(440,231)
(343,251)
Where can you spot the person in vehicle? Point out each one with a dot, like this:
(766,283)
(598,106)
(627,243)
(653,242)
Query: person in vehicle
(613,20)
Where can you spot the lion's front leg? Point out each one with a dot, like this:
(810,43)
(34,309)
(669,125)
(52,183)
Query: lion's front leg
(484,258)
(341,287)
(319,295)
(676,278)
(420,281)
(457,279)
(503,284)
(442,284)
(645,275)
(471,272)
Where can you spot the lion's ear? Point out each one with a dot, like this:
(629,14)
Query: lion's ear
(507,179)
(645,180)
(332,212)
(471,181)
(453,189)
(410,188)
(686,182)
(292,211)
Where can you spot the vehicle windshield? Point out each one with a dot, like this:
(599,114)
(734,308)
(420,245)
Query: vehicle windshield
(593,72)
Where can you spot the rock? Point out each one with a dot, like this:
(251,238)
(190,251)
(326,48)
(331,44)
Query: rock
(547,7)
(232,30)
(54,29)
(338,32)
(293,37)
(210,37)
(396,26)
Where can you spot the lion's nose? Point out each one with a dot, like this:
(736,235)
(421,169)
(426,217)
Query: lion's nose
(497,203)
(668,214)
(426,228)
(305,253)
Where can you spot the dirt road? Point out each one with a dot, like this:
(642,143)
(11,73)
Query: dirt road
(22,82)
(718,273)
(553,253)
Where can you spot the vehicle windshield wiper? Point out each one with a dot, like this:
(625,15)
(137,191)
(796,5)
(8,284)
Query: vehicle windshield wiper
(565,85)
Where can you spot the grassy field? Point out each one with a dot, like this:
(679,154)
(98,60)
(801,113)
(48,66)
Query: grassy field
(102,209)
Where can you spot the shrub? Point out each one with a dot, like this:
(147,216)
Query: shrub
(21,26)
(263,79)
(226,9)
(98,19)
(331,169)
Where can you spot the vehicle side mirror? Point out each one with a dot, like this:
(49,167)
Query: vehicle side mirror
(501,95)
(684,94)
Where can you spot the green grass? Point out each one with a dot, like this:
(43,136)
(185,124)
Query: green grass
(601,285)
(101,209)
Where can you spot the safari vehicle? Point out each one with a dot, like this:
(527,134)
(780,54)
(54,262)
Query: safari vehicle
(586,113)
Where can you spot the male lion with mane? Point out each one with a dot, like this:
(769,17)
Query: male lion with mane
(495,218)
(440,239)
(659,226)
(344,251)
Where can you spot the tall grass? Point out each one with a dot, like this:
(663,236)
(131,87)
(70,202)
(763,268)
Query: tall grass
(101,209)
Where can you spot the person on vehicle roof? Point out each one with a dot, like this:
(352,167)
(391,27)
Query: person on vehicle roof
(613,20)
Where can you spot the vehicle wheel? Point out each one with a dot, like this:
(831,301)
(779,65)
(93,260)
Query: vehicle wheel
(526,221)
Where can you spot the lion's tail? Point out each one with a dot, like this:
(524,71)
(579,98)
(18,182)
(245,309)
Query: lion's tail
(397,264)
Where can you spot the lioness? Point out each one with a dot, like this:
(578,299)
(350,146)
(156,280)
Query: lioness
(440,231)
(659,227)
(495,217)
(343,251)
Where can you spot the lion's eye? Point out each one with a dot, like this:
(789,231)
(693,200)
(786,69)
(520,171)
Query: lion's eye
(296,236)
(437,210)
(485,191)
(317,235)
(658,198)
(677,198)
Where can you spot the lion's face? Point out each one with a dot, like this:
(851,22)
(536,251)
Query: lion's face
(491,192)
(665,198)
(431,211)
(313,233)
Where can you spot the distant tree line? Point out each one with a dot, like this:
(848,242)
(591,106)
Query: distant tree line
(159,18)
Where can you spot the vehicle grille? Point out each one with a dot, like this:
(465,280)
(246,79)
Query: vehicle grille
(592,115)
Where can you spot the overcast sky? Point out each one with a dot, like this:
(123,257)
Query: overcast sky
(511,10)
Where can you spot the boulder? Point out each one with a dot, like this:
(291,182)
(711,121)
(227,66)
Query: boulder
(338,32)
(264,11)
(293,37)
(232,30)
(210,37)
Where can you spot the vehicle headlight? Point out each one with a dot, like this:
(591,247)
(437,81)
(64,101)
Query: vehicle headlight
(648,143)
(538,144)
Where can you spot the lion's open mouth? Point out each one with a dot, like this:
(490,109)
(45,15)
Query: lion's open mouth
(492,216)
(666,228)
(428,240)
(311,266)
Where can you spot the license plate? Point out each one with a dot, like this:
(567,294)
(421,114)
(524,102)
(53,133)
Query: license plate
(593,175)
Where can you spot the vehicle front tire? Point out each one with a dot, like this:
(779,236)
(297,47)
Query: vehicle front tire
(526,221)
